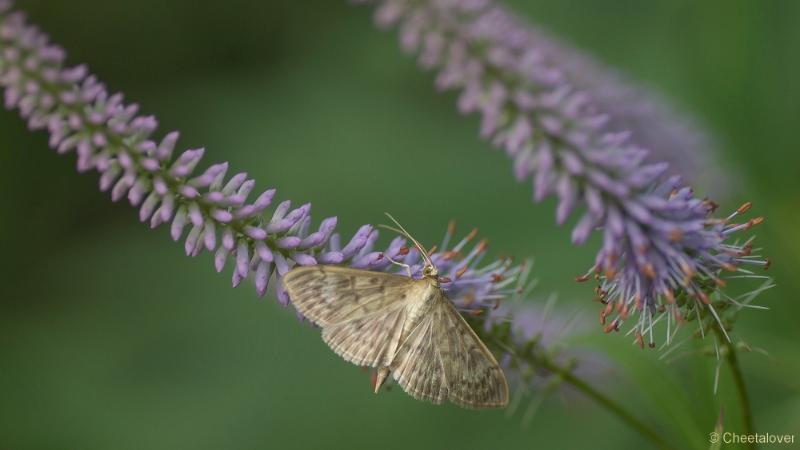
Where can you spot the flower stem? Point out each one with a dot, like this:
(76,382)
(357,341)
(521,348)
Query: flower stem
(609,404)
(732,359)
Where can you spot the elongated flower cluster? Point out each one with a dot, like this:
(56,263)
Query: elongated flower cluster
(669,135)
(532,339)
(259,240)
(660,242)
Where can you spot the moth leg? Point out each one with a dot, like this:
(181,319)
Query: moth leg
(383,373)
(406,266)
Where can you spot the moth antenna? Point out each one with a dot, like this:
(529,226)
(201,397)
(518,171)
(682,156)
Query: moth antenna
(405,233)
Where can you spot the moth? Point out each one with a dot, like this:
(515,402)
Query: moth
(401,326)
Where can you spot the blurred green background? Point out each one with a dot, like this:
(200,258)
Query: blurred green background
(111,338)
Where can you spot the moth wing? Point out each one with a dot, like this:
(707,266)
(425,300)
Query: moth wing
(370,340)
(445,360)
(417,366)
(327,295)
(474,377)
(361,313)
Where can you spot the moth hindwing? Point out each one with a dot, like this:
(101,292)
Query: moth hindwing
(402,326)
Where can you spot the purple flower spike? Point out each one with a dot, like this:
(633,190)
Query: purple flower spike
(537,335)
(558,115)
(109,136)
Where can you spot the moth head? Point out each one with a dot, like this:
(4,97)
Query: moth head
(430,271)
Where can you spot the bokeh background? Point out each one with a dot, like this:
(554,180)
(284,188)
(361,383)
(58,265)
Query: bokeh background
(111,338)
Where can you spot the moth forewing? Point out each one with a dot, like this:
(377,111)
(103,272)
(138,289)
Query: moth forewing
(331,294)
(488,387)
(447,361)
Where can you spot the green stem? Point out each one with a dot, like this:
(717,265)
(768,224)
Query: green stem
(609,404)
(732,359)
